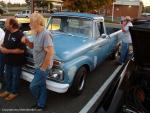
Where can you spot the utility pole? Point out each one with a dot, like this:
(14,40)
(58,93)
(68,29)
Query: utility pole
(32,6)
(113,8)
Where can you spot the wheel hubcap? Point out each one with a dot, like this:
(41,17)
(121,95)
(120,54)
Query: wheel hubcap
(82,81)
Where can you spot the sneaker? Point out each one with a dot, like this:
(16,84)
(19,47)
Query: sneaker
(33,106)
(4,94)
(11,96)
(36,107)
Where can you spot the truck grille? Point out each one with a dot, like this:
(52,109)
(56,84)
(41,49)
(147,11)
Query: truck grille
(29,65)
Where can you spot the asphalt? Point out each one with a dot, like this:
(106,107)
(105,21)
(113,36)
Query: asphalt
(60,103)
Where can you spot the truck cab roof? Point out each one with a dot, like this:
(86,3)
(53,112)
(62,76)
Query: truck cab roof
(81,15)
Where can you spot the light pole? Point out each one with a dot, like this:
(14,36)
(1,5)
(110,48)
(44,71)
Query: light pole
(113,12)
(32,6)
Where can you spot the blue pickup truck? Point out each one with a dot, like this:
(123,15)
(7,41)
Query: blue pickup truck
(81,43)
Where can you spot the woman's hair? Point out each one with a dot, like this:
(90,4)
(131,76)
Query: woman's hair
(38,19)
(128,18)
(13,21)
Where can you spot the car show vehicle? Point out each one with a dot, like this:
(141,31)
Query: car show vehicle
(23,14)
(81,43)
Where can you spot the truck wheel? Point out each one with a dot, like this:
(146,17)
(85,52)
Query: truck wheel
(79,81)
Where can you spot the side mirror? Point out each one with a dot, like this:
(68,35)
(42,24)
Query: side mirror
(103,36)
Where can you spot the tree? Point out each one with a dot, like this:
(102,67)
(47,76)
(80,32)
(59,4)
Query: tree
(147,9)
(1,11)
(2,3)
(108,5)
(85,5)
(38,3)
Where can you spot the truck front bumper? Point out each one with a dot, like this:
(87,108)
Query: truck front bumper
(51,85)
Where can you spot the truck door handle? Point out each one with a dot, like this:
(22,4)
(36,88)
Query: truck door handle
(98,46)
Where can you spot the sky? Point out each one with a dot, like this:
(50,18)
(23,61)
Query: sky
(146,2)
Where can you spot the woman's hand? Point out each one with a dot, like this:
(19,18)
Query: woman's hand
(26,41)
(4,50)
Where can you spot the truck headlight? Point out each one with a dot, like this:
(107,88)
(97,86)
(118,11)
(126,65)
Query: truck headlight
(57,63)
(56,74)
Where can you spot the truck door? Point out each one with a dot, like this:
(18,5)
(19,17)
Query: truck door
(101,41)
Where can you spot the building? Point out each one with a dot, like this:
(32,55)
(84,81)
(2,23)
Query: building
(132,8)
(54,5)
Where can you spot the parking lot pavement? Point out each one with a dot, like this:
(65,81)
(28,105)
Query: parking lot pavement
(60,103)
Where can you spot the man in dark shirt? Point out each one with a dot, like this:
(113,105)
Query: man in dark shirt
(2,34)
(13,50)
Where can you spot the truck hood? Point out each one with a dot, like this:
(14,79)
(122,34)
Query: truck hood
(141,44)
(69,46)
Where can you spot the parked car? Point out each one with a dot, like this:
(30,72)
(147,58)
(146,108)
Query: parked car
(145,14)
(129,91)
(81,43)
(141,21)
(23,14)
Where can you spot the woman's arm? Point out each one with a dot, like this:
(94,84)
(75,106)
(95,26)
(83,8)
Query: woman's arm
(27,42)
(123,26)
(11,51)
(49,54)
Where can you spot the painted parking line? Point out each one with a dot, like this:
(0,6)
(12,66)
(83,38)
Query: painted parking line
(93,100)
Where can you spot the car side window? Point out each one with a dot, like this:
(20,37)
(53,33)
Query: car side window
(55,25)
(97,32)
(99,29)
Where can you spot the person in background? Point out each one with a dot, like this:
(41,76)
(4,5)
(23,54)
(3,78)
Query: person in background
(13,50)
(2,34)
(126,39)
(122,19)
(43,58)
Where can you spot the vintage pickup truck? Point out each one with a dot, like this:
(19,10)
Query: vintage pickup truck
(81,42)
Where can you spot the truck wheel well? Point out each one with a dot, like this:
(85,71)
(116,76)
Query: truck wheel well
(86,66)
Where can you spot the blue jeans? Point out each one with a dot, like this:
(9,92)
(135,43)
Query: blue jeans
(124,52)
(12,78)
(1,64)
(38,87)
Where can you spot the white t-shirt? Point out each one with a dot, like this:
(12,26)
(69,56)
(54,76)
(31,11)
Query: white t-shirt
(2,35)
(126,35)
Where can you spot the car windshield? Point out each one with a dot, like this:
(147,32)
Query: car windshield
(72,25)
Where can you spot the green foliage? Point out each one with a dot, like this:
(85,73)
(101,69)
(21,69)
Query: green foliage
(76,5)
(85,5)
(2,4)
(38,3)
(147,9)
(1,11)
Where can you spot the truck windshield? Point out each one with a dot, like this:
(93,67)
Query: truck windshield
(72,25)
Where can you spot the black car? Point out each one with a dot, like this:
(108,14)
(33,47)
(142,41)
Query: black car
(129,91)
